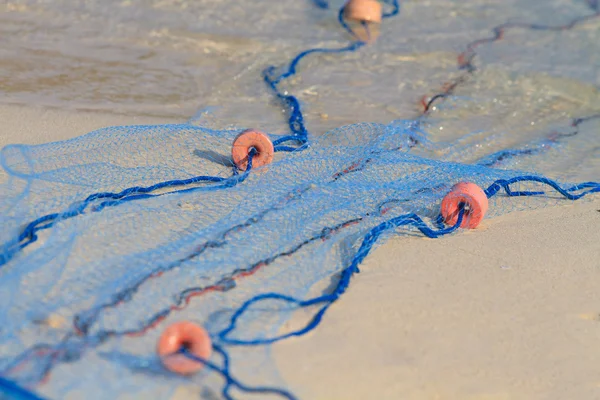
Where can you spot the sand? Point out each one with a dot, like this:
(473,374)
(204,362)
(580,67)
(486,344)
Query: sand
(36,125)
(509,311)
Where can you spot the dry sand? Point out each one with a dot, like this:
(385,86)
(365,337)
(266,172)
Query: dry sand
(510,311)
(35,125)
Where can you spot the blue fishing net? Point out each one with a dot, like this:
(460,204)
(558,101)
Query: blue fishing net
(109,237)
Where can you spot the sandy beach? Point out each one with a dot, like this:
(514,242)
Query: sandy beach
(507,311)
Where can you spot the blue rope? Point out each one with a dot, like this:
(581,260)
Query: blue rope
(594,187)
(395,8)
(14,391)
(230,380)
(29,233)
(321,4)
(296,118)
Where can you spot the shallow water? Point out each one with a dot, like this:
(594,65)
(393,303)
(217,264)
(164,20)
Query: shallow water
(173,58)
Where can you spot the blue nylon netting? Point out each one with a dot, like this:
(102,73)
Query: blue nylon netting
(108,237)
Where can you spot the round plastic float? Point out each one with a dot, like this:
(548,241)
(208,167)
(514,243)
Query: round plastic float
(475,205)
(245,142)
(186,335)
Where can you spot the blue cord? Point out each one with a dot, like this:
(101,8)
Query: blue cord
(230,380)
(29,234)
(296,118)
(15,391)
(505,184)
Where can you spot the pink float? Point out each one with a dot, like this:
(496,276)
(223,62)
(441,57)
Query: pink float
(475,205)
(248,140)
(186,335)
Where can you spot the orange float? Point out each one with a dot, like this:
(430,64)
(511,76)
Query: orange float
(475,205)
(364,18)
(248,140)
(363,11)
(186,335)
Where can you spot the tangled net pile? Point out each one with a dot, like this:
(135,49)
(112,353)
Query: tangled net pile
(107,237)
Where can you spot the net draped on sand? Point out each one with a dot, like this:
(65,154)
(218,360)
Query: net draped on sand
(109,237)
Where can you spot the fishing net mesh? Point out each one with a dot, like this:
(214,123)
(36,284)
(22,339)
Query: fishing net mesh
(86,296)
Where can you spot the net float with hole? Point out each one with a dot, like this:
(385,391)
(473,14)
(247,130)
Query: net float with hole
(184,335)
(245,142)
(473,200)
(364,17)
